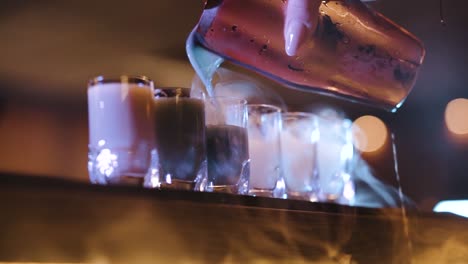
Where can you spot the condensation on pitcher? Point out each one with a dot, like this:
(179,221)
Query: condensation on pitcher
(263,49)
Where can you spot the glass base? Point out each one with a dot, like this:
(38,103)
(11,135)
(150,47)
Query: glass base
(156,178)
(127,180)
(116,166)
(242,186)
(179,185)
(305,196)
(262,192)
(231,189)
(120,180)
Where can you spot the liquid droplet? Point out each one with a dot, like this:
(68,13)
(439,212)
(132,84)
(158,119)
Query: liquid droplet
(345,40)
(441,13)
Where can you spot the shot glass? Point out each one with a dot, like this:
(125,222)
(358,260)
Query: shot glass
(335,154)
(264,128)
(227,145)
(120,129)
(179,157)
(299,137)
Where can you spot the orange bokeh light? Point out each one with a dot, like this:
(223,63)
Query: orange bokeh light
(456,116)
(370,133)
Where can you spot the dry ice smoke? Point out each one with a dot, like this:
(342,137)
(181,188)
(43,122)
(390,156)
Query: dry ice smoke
(233,84)
(369,190)
(114,229)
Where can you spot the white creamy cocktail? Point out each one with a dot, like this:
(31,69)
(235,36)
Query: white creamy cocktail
(121,132)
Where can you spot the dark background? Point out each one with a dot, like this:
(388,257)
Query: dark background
(49,49)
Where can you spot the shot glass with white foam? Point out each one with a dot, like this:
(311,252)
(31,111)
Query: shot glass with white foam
(264,128)
(121,133)
(335,153)
(299,137)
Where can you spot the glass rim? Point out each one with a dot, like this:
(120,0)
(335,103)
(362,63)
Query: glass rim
(176,92)
(228,99)
(129,79)
(172,87)
(274,108)
(287,117)
(338,121)
(300,114)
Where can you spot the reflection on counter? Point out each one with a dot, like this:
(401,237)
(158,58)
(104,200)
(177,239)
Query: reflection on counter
(459,207)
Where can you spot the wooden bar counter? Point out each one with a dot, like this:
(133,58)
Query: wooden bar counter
(56,221)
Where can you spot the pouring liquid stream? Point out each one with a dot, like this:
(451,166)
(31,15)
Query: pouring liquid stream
(404,215)
(204,62)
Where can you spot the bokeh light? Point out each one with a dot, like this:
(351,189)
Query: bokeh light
(370,133)
(456,116)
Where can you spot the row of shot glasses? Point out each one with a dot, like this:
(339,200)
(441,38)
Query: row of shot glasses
(162,138)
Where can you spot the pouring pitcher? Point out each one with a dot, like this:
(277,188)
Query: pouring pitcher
(354,53)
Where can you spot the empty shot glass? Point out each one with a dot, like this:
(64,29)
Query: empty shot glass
(264,128)
(120,129)
(299,137)
(179,157)
(227,145)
